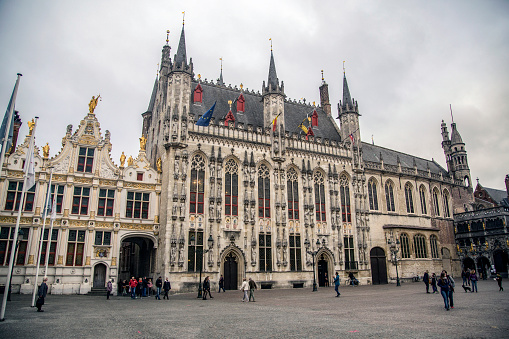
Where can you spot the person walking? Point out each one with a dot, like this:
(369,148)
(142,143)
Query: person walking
(132,285)
(159,284)
(452,284)
(206,288)
(42,292)
(473,279)
(140,288)
(244,288)
(499,281)
(125,286)
(434,283)
(166,288)
(221,284)
(425,278)
(109,289)
(444,285)
(252,287)
(326,278)
(145,286)
(464,276)
(336,285)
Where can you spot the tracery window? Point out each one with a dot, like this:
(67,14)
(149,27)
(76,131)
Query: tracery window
(195,251)
(433,245)
(263,192)
(405,245)
(420,246)
(197,187)
(422,194)
(319,196)
(293,194)
(373,198)
(231,188)
(344,192)
(436,207)
(295,253)
(446,205)
(389,196)
(409,198)
(264,241)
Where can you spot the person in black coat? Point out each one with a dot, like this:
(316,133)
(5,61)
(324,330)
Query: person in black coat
(159,285)
(43,291)
(425,278)
(145,287)
(166,288)
(206,288)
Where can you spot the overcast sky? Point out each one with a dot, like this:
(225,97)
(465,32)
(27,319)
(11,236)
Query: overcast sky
(406,61)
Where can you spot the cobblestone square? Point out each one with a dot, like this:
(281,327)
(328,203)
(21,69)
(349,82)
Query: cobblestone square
(384,311)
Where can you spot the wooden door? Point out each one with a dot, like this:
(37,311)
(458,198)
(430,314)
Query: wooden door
(230,272)
(99,275)
(378,266)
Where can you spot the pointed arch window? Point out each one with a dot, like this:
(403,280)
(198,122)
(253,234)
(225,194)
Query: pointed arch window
(420,246)
(433,245)
(241,103)
(373,198)
(292,185)
(405,246)
(198,94)
(197,187)
(409,198)
(319,196)
(231,188)
(344,192)
(422,195)
(436,207)
(446,205)
(389,196)
(263,192)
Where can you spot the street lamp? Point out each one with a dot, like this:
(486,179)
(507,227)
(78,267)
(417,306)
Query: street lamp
(210,243)
(307,244)
(393,246)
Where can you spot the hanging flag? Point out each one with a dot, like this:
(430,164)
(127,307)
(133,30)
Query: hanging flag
(351,137)
(54,206)
(314,119)
(205,119)
(310,133)
(274,122)
(8,131)
(304,128)
(29,163)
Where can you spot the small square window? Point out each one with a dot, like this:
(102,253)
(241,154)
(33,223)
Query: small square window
(139,177)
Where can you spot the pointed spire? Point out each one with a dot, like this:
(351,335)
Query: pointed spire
(246,163)
(272,73)
(220,81)
(347,99)
(303,166)
(153,97)
(251,162)
(181,56)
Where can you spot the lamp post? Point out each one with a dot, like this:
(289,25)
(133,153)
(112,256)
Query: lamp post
(307,244)
(210,243)
(393,246)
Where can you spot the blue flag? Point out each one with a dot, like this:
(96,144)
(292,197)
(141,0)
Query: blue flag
(205,119)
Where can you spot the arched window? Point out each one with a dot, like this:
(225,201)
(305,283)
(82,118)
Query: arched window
(420,246)
(198,94)
(389,196)
(436,207)
(231,188)
(319,196)
(373,198)
(263,192)
(433,245)
(405,245)
(409,198)
(344,192)
(446,205)
(422,195)
(241,103)
(293,195)
(197,188)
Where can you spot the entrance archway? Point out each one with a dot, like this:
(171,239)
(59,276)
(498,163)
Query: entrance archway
(500,260)
(323,268)
(468,263)
(136,258)
(231,268)
(483,267)
(99,276)
(378,266)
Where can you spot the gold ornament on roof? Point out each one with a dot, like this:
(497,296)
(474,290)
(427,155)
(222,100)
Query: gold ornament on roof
(93,104)
(31,125)
(130,161)
(230,103)
(159,164)
(45,151)
(122,159)
(143,143)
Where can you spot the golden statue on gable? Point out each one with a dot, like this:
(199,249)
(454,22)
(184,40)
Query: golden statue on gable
(93,104)
(122,159)
(130,161)
(45,151)
(31,125)
(159,165)
(143,143)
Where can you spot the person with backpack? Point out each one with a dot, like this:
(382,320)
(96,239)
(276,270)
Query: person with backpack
(451,288)
(444,285)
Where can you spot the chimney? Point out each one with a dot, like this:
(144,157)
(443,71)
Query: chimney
(507,185)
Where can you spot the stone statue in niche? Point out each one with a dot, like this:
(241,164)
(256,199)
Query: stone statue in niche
(212,170)
(184,168)
(253,255)
(176,166)
(181,255)
(173,255)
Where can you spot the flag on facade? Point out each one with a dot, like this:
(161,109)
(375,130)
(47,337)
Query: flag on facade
(29,163)
(351,137)
(8,131)
(310,133)
(304,128)
(205,119)
(54,206)
(274,122)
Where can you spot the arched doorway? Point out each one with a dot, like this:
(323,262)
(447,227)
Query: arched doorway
(323,267)
(378,266)
(231,268)
(483,267)
(500,260)
(137,255)
(99,276)
(468,263)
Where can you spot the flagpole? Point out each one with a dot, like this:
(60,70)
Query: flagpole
(41,237)
(15,240)
(9,121)
(52,219)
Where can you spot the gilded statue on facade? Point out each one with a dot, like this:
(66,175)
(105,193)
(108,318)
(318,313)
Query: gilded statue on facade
(143,143)
(31,125)
(122,159)
(93,103)
(45,151)
(130,161)
(159,164)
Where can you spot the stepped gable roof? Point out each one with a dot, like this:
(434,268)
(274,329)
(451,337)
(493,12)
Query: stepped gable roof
(253,114)
(372,152)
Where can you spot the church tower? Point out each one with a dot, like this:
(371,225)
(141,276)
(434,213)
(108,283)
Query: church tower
(348,115)
(456,155)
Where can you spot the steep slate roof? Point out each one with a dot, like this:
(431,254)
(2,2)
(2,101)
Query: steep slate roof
(372,152)
(455,135)
(295,113)
(181,51)
(496,195)
(152,97)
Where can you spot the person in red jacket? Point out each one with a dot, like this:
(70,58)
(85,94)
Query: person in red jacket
(132,285)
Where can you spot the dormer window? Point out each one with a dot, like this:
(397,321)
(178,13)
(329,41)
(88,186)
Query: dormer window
(241,103)
(139,176)
(85,160)
(198,94)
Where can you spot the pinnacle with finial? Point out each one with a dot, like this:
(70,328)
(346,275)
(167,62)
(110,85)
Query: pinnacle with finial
(167,36)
